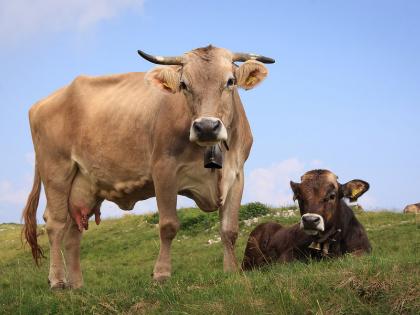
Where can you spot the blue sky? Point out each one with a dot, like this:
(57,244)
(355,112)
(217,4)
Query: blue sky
(343,94)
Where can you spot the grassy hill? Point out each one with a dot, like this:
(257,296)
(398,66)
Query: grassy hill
(118,258)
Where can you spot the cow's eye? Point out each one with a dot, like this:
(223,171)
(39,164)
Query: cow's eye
(329,197)
(183,86)
(230,82)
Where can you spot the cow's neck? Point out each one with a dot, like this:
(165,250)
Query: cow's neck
(240,137)
(343,217)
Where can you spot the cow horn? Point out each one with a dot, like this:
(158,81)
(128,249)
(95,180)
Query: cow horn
(242,57)
(161,60)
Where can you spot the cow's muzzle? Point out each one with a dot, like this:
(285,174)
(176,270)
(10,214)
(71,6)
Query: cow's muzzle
(312,223)
(207,131)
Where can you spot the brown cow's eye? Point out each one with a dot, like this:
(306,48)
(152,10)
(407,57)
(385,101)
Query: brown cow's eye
(330,197)
(230,82)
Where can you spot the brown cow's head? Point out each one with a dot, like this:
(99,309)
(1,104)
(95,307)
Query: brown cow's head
(319,195)
(208,78)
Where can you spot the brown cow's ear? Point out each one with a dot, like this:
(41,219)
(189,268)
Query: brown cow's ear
(295,187)
(250,73)
(354,189)
(165,78)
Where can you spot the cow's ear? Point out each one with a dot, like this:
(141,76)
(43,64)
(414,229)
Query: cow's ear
(165,78)
(296,189)
(354,189)
(250,73)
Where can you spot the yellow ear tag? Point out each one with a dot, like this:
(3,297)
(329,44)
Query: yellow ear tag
(356,191)
(250,80)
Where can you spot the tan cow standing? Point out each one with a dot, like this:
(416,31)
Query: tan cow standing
(132,136)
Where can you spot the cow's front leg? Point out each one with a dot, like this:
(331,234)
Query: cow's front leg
(229,226)
(166,196)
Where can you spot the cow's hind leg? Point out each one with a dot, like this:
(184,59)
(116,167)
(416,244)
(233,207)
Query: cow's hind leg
(55,225)
(82,204)
(166,196)
(57,178)
(72,240)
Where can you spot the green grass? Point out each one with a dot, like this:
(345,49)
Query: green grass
(118,258)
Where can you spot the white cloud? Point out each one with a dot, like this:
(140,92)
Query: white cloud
(22,19)
(271,184)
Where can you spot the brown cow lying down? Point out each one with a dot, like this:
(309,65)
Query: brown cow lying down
(328,227)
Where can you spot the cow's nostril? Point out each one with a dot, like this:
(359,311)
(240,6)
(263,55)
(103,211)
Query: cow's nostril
(197,127)
(217,125)
(311,219)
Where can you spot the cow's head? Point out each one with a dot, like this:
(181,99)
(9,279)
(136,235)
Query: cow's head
(208,78)
(319,195)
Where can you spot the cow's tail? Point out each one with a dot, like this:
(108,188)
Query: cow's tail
(29,217)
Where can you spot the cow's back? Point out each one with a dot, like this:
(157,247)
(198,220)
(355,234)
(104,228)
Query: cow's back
(102,123)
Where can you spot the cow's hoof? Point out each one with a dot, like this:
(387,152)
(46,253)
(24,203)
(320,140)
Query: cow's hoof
(231,268)
(60,285)
(75,286)
(161,276)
